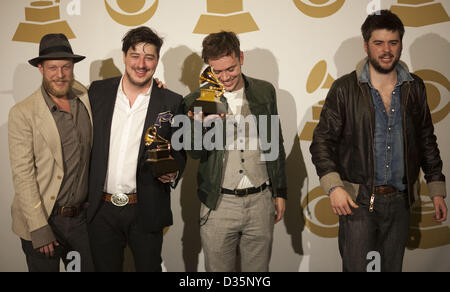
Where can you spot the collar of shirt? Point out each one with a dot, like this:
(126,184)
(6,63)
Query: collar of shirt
(235,100)
(402,75)
(51,104)
(141,101)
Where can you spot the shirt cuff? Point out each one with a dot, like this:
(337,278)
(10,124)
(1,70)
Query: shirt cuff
(437,189)
(329,181)
(42,237)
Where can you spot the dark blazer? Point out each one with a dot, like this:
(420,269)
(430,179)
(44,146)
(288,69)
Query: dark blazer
(154,211)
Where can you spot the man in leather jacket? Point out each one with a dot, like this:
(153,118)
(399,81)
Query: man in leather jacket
(374,135)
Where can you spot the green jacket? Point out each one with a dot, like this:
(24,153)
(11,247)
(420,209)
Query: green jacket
(261,97)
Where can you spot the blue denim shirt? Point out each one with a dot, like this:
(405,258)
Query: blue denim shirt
(388,140)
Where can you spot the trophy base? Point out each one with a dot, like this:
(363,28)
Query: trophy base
(161,167)
(209,107)
(159,163)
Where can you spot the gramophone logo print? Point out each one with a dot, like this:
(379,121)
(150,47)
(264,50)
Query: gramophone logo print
(226,15)
(319,8)
(41,18)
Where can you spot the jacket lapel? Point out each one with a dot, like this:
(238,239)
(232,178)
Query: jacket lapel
(84,98)
(46,125)
(109,104)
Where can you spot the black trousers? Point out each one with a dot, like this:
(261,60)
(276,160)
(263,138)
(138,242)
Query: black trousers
(109,233)
(384,231)
(72,235)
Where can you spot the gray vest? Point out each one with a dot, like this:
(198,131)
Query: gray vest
(240,163)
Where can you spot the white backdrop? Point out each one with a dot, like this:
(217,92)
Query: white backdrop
(299,49)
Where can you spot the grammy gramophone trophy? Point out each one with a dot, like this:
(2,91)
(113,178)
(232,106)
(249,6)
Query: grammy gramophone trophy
(209,99)
(157,154)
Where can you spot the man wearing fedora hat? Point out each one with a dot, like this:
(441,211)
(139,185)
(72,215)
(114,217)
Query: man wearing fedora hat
(50,138)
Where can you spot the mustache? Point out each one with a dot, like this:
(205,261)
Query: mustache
(387,55)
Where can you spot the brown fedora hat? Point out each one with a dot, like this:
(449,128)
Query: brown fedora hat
(55,47)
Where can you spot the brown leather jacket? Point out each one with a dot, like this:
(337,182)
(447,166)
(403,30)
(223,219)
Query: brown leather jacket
(343,142)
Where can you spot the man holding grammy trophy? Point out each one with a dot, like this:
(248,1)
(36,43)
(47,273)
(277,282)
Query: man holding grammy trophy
(242,194)
(132,165)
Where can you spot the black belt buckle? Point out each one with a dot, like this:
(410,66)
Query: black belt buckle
(69,211)
(237,194)
(66,211)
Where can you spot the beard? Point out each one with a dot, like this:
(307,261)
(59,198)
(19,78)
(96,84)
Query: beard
(139,84)
(377,66)
(56,91)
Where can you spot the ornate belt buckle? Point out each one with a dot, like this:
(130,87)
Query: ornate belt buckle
(120,200)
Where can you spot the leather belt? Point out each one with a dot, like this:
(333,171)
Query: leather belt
(244,192)
(120,200)
(385,190)
(71,211)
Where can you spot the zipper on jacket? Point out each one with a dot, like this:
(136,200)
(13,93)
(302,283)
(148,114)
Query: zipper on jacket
(372,200)
(405,146)
(372,132)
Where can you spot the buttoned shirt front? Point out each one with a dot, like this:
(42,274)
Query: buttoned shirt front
(126,133)
(75,134)
(388,140)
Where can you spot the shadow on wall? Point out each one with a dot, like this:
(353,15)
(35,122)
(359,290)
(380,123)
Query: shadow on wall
(348,55)
(103,69)
(262,64)
(182,60)
(182,68)
(425,234)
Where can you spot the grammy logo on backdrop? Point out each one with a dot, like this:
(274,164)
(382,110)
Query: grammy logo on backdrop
(319,8)
(318,79)
(432,78)
(319,217)
(225,15)
(416,13)
(424,233)
(42,17)
(134,12)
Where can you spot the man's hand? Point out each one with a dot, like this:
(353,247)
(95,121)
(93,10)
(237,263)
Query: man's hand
(160,83)
(49,249)
(440,209)
(280,206)
(167,178)
(202,118)
(341,202)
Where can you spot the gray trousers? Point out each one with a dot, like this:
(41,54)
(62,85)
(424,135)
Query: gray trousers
(246,223)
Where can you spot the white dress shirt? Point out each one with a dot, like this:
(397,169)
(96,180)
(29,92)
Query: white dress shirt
(126,133)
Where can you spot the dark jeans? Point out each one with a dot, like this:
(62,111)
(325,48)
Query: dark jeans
(110,231)
(71,233)
(384,231)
